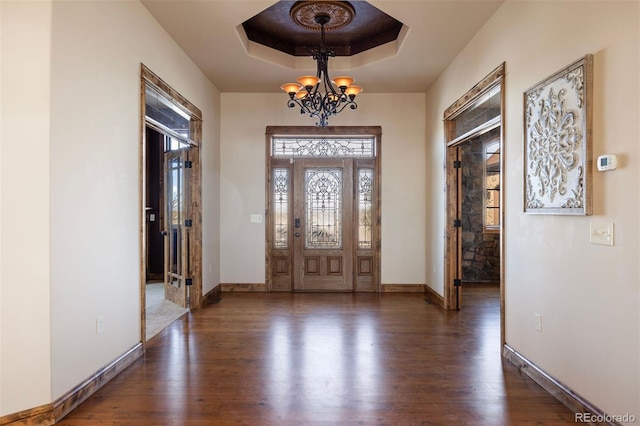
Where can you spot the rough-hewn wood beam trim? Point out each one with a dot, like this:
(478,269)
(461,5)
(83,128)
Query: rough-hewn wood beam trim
(557,389)
(474,92)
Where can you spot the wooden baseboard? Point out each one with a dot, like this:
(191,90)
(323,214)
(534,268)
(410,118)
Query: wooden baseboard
(42,415)
(51,413)
(432,296)
(72,399)
(212,297)
(401,288)
(244,287)
(557,389)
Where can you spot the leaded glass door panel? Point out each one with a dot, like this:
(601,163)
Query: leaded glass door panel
(323,224)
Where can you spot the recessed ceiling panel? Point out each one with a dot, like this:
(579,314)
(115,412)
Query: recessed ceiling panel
(274,27)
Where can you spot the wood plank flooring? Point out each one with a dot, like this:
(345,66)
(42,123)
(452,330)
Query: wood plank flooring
(326,359)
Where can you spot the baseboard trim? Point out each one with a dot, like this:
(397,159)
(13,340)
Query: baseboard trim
(557,389)
(401,288)
(42,415)
(244,287)
(49,414)
(72,399)
(212,297)
(432,296)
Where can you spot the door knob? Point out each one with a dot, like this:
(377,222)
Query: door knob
(297,234)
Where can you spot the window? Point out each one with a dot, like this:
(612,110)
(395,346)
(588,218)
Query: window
(492,186)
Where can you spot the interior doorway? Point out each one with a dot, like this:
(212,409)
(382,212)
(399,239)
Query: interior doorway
(171,272)
(323,209)
(474,197)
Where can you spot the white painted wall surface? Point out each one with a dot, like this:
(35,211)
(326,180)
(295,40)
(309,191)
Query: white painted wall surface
(71,128)
(244,120)
(25,352)
(588,295)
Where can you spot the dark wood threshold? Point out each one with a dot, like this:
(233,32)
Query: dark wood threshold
(431,296)
(213,296)
(554,387)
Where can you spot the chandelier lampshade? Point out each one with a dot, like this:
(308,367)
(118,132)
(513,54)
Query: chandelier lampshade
(318,96)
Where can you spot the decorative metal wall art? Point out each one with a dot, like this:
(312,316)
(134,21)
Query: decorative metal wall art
(557,142)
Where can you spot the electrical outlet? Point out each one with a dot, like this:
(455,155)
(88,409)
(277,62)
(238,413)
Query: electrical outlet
(537,322)
(100,325)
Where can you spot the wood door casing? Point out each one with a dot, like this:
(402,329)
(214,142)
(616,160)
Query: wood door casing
(323,225)
(280,271)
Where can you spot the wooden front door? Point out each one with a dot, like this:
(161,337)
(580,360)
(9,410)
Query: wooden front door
(323,225)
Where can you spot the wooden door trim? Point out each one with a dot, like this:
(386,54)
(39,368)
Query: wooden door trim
(452,263)
(195,251)
(271,163)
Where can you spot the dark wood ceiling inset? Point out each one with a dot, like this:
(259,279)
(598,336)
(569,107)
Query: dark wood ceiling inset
(274,28)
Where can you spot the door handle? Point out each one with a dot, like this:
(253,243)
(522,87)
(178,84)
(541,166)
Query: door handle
(297,223)
(164,233)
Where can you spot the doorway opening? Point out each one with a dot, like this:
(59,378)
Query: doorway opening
(171,272)
(323,209)
(474,252)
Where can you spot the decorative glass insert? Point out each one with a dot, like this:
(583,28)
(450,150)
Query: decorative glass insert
(281,208)
(323,147)
(323,208)
(365,208)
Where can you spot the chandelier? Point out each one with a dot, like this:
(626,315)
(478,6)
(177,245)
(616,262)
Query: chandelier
(319,96)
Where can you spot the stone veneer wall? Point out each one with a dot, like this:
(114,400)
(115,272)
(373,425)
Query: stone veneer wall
(480,250)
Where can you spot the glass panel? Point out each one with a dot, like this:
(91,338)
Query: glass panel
(365,204)
(308,147)
(161,109)
(175,213)
(280,208)
(323,208)
(492,186)
(481,111)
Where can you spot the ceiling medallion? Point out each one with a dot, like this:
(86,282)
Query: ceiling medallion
(319,96)
(339,13)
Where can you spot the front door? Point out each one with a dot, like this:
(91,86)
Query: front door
(177,224)
(323,225)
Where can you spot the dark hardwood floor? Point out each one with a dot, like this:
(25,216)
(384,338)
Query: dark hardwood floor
(326,359)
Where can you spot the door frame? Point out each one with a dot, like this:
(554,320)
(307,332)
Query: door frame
(367,266)
(453,237)
(195,195)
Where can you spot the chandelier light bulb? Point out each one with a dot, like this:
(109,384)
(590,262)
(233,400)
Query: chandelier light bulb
(291,87)
(343,82)
(308,81)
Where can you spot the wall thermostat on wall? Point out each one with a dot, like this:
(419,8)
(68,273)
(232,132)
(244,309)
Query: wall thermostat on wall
(607,162)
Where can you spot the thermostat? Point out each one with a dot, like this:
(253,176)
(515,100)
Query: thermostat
(607,162)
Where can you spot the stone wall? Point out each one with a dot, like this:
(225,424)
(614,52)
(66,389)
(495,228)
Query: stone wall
(480,250)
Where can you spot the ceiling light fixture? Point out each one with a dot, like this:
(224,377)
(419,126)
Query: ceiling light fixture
(318,95)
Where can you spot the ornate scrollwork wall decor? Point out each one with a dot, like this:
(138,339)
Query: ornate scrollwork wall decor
(557,127)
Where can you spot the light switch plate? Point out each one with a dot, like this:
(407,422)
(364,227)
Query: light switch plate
(601,233)
(256,218)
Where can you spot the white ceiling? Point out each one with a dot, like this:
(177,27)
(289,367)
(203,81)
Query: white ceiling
(207,30)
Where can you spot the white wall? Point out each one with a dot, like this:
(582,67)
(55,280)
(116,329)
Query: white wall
(588,295)
(244,120)
(75,174)
(25,362)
